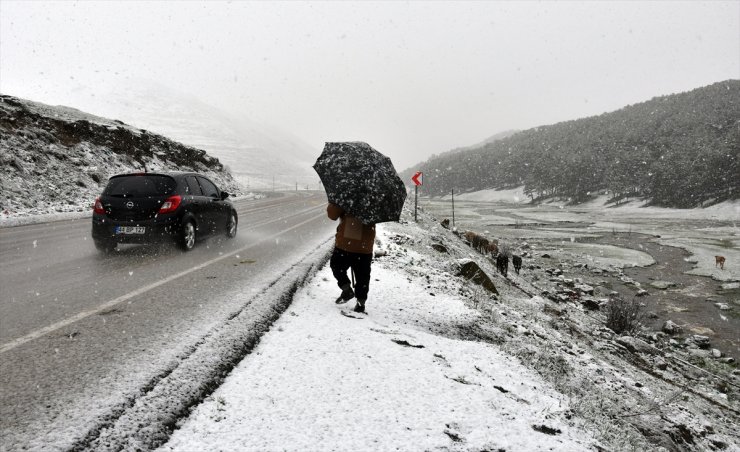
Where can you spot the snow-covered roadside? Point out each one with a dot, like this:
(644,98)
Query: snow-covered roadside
(323,381)
(22,217)
(510,371)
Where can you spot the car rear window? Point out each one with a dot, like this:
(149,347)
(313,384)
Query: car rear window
(140,186)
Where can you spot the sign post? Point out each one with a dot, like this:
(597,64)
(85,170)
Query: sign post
(417,179)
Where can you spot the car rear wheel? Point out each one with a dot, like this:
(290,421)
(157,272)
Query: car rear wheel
(231,225)
(187,236)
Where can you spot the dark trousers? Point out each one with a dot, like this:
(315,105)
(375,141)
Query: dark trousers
(342,260)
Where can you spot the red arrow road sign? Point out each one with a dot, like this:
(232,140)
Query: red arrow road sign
(418,178)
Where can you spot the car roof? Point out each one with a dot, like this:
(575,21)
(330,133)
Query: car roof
(160,173)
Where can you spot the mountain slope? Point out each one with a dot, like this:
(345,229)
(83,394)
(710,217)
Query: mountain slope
(57,159)
(249,149)
(679,150)
(487,141)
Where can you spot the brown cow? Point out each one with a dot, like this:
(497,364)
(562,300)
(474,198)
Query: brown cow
(473,239)
(483,245)
(492,248)
(719,260)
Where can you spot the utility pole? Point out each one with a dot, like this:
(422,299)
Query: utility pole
(453,208)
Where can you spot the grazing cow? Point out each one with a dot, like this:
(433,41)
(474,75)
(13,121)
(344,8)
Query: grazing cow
(475,241)
(492,248)
(483,245)
(502,263)
(517,261)
(470,237)
(719,260)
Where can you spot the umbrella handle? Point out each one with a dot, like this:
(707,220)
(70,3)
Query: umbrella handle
(353,277)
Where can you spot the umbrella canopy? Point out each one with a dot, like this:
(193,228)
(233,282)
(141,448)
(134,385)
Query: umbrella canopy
(362,181)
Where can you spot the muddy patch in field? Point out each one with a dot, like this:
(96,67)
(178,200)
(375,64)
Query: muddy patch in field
(693,301)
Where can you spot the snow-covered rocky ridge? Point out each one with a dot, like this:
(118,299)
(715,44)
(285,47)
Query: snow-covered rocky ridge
(58,159)
(441,363)
(252,151)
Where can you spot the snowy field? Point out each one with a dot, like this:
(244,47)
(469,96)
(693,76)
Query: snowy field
(513,196)
(439,363)
(704,232)
(322,381)
(600,255)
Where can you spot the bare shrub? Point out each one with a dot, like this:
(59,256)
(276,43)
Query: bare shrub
(622,316)
(546,360)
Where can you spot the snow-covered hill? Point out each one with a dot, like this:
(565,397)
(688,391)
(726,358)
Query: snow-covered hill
(58,159)
(253,152)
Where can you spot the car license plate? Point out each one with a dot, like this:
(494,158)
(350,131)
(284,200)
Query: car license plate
(130,229)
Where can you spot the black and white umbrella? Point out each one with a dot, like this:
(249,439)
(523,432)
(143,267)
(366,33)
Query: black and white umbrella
(362,181)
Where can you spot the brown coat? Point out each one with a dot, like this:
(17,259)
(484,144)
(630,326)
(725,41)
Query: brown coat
(352,236)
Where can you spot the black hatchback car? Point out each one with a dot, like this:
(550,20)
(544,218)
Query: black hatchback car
(150,207)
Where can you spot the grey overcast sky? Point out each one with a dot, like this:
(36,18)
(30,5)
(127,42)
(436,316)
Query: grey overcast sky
(410,78)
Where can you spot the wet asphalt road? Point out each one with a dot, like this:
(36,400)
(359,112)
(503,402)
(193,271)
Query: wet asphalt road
(80,332)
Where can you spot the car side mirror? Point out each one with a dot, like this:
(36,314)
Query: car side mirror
(224,195)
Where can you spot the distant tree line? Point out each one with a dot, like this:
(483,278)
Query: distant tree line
(679,150)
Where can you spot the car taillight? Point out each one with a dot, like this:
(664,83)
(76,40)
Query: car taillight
(98,207)
(171,204)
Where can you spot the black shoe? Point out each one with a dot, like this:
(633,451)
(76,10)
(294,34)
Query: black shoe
(346,295)
(360,306)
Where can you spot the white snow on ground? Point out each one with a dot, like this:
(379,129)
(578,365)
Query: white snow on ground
(603,255)
(511,196)
(441,364)
(323,381)
(703,232)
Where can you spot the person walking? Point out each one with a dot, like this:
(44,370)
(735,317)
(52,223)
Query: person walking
(353,249)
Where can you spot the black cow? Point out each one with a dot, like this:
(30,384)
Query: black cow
(517,261)
(502,263)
